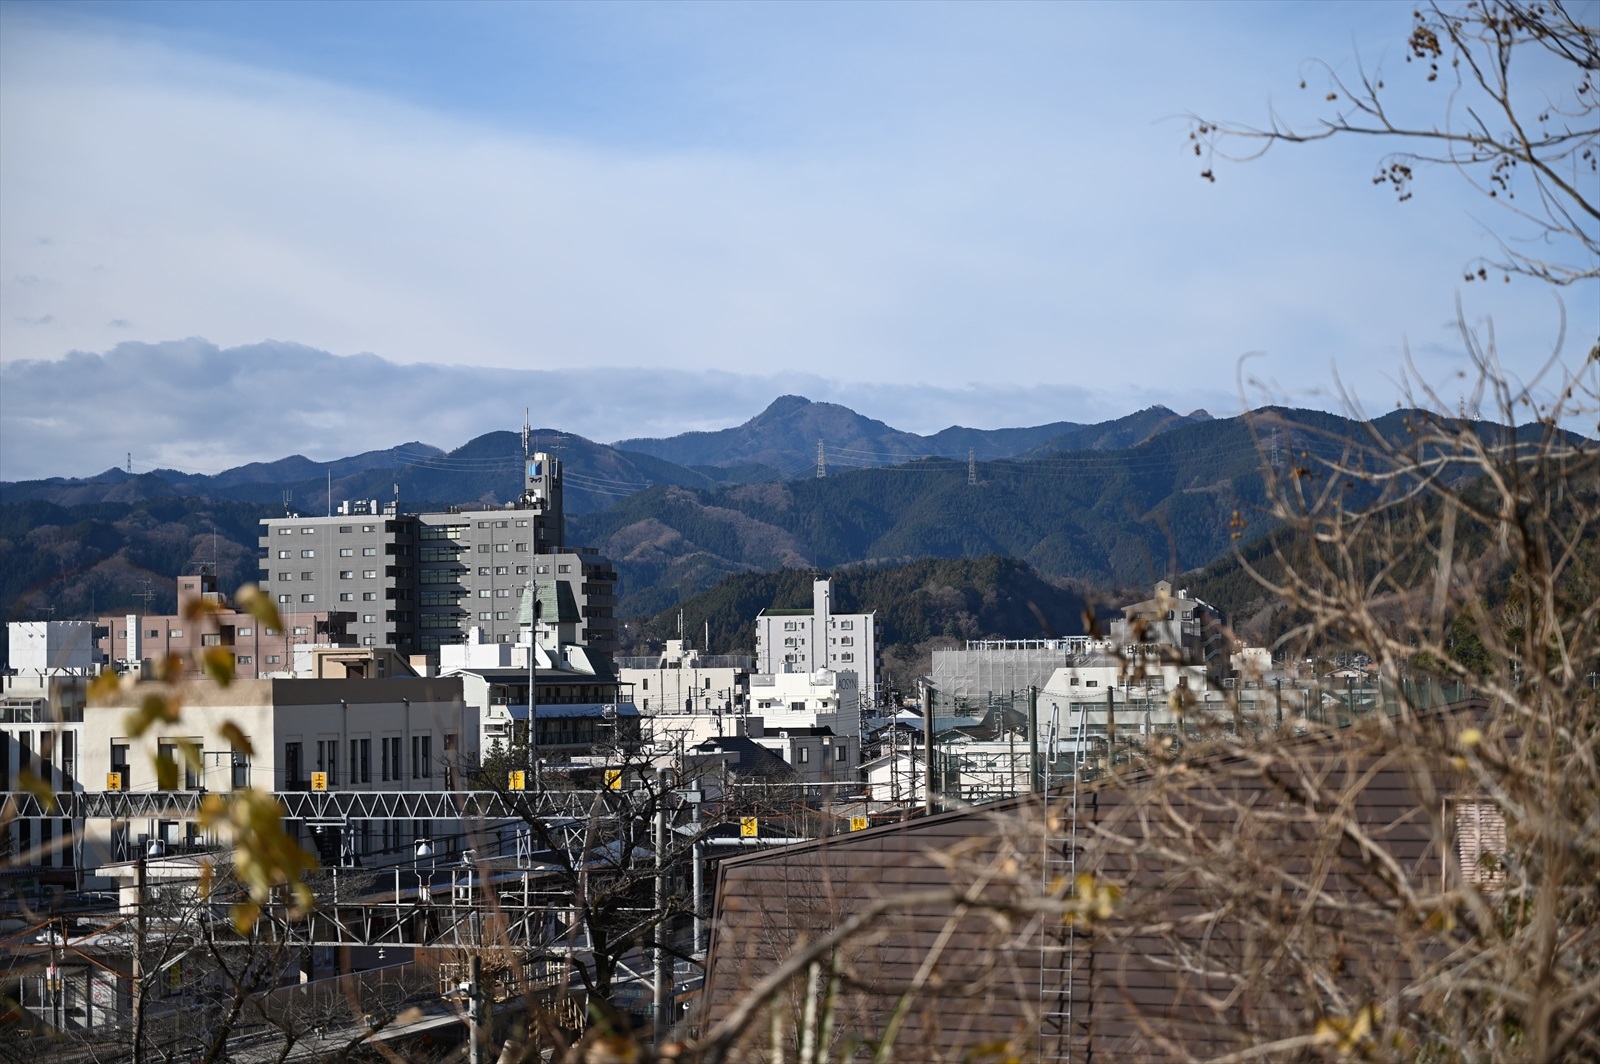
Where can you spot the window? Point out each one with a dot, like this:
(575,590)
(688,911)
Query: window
(360,760)
(522,524)
(291,763)
(285,576)
(210,639)
(502,524)
(328,759)
(502,615)
(245,659)
(563,568)
(788,626)
(247,631)
(502,570)
(285,531)
(154,633)
(285,553)
(851,657)
(483,548)
(308,598)
(369,596)
(308,576)
(369,574)
(371,641)
(422,757)
(241,771)
(484,592)
(346,528)
(347,552)
(346,596)
(272,659)
(504,592)
(804,755)
(502,548)
(119,763)
(281,598)
(542,569)
(391,758)
(486,615)
(176,633)
(369,618)
(307,531)
(841,753)
(483,524)
(847,640)
(522,548)
(369,552)
(847,624)
(1480,848)
(484,570)
(522,570)
(347,574)
(308,554)
(369,528)
(301,630)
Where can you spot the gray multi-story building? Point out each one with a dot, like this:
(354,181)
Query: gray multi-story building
(417,582)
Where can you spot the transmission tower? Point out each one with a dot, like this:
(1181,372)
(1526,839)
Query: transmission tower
(972,468)
(822,462)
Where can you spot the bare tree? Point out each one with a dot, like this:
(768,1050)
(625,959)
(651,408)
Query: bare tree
(1505,125)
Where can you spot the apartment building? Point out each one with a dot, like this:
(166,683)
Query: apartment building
(418,582)
(804,641)
(131,642)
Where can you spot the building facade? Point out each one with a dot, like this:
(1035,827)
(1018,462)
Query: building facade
(130,643)
(805,641)
(418,582)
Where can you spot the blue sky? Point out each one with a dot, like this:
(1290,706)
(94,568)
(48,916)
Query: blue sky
(934,213)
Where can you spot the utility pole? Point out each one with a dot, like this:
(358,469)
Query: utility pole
(475,1032)
(927,749)
(663,987)
(136,969)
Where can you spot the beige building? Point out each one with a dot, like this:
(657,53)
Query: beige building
(394,734)
(133,642)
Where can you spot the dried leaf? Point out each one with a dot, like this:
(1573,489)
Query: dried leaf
(258,604)
(236,738)
(104,688)
(218,663)
(166,772)
(243,914)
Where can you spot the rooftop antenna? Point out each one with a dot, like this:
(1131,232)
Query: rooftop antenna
(287,495)
(147,594)
(526,429)
(330,490)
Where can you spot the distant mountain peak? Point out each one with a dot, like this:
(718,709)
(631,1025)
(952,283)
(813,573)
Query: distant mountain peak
(784,404)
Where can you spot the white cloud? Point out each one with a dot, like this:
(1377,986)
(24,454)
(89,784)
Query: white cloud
(198,407)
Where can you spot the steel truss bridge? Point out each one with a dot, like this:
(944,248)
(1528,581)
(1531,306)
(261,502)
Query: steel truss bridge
(337,806)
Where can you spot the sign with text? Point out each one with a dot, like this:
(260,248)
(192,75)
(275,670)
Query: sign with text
(319,781)
(517,780)
(858,823)
(113,781)
(749,827)
(613,779)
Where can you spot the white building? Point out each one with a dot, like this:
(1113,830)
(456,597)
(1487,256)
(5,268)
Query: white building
(805,641)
